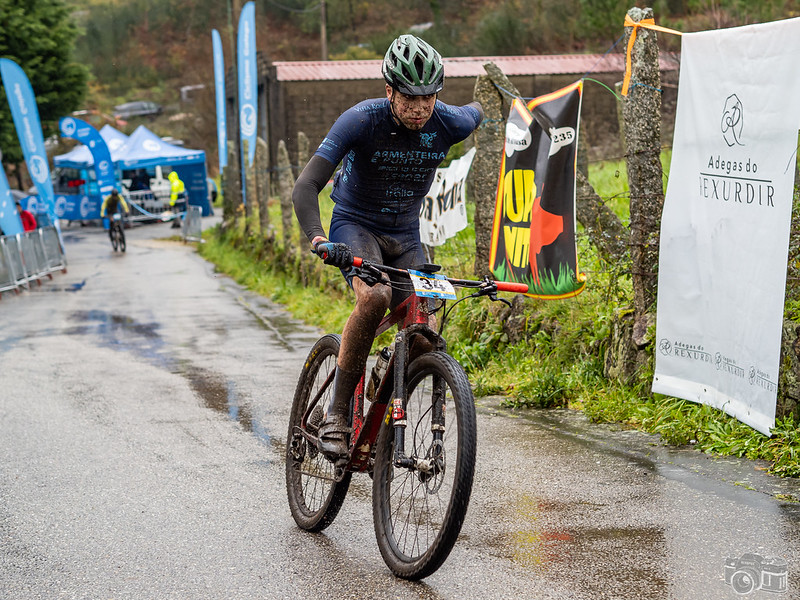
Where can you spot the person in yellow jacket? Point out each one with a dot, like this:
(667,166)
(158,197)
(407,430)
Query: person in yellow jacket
(176,192)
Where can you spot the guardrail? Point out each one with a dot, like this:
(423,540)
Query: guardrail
(28,257)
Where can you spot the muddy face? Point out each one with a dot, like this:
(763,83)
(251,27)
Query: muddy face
(411,111)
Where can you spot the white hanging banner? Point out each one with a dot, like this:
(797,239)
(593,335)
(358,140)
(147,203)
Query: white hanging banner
(443,213)
(726,220)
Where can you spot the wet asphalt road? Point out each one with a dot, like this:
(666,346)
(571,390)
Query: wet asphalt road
(143,417)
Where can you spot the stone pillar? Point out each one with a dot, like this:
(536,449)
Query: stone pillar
(600,223)
(262,189)
(789,375)
(489,140)
(641,110)
(285,185)
(302,152)
(251,197)
(232,192)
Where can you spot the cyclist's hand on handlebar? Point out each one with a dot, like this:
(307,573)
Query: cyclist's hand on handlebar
(336,254)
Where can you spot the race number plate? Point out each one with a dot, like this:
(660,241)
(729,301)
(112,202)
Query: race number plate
(432,286)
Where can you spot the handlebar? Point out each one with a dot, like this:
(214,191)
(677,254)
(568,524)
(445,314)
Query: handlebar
(499,286)
(511,286)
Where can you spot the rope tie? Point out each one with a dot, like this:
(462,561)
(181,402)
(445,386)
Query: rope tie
(647,24)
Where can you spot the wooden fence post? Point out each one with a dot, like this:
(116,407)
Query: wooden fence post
(641,111)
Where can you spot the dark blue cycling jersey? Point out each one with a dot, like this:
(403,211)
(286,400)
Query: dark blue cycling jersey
(386,168)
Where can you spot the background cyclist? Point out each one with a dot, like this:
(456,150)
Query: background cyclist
(112,204)
(389,148)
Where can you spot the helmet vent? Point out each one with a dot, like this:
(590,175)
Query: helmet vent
(413,67)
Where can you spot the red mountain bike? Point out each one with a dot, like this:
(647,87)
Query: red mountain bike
(414,432)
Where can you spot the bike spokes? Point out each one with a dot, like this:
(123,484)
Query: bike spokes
(419,508)
(314,487)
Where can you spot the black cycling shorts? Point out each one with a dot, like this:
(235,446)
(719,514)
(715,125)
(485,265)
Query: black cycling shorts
(401,249)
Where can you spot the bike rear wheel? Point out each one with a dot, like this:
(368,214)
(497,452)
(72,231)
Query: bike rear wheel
(315,496)
(418,514)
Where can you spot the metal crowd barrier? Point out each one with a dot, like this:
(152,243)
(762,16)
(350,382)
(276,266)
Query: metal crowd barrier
(28,257)
(192,228)
(154,205)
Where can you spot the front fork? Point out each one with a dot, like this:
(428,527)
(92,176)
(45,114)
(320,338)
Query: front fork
(432,461)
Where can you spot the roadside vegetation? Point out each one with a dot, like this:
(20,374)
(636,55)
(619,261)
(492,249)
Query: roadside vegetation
(540,355)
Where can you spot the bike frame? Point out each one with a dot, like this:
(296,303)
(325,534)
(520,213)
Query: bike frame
(412,317)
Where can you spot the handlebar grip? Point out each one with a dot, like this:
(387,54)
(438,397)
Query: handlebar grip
(321,251)
(510,286)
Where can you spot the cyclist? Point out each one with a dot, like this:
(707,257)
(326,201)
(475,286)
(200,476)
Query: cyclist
(112,204)
(390,148)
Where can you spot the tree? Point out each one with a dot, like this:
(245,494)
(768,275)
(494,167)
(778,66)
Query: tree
(39,36)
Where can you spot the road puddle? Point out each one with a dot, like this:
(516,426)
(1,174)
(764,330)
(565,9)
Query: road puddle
(123,333)
(613,561)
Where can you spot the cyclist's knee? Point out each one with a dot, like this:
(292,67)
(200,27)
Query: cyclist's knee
(375,298)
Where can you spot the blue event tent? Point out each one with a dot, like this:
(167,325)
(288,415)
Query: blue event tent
(145,149)
(80,157)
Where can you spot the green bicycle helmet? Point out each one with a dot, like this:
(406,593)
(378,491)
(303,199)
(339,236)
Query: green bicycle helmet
(413,67)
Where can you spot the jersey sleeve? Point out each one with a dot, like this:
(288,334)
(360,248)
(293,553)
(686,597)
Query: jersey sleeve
(460,121)
(345,133)
(473,111)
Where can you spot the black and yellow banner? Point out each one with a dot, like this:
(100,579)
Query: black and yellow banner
(533,237)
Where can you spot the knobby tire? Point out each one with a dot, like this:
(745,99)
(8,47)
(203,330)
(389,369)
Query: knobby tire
(314,496)
(117,237)
(418,517)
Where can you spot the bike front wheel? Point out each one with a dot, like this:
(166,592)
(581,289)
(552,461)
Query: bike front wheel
(418,511)
(315,495)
